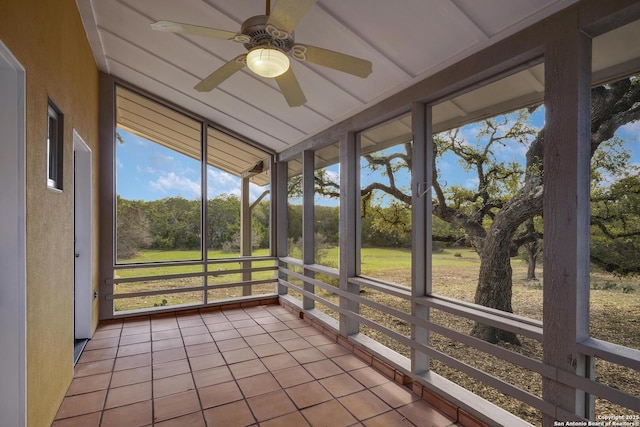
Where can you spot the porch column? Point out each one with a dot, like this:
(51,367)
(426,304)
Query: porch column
(308,223)
(204,210)
(107,152)
(566,217)
(279,197)
(349,228)
(421,233)
(245,232)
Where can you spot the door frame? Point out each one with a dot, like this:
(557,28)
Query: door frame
(83,191)
(13,255)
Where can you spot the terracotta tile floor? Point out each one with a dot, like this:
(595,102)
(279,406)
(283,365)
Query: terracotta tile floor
(238,367)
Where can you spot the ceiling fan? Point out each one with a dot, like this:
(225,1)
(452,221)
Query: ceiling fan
(270,42)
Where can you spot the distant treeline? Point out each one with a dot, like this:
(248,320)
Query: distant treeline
(175,223)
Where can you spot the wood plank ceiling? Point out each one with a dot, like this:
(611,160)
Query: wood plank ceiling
(406,42)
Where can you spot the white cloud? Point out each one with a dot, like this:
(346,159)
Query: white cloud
(187,171)
(633,129)
(511,151)
(133,138)
(333,175)
(472,183)
(219,182)
(138,140)
(256,191)
(443,166)
(469,133)
(173,183)
(147,169)
(216,191)
(218,177)
(161,161)
(119,163)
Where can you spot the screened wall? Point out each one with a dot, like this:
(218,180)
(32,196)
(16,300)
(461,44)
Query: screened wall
(191,211)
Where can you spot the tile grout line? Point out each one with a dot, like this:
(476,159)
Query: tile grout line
(282,388)
(391,408)
(302,365)
(153,402)
(235,380)
(113,367)
(193,378)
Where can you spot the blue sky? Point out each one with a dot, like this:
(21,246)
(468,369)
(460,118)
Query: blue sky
(631,134)
(148,171)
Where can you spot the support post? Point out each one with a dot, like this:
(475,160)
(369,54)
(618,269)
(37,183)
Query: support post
(245,233)
(308,223)
(204,210)
(107,157)
(349,228)
(421,224)
(567,156)
(279,183)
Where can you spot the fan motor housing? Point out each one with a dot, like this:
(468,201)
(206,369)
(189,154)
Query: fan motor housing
(256,29)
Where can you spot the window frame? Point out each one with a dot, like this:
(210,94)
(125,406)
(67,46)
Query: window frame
(108,207)
(55,144)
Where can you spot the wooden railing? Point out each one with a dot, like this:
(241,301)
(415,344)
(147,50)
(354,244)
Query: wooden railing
(298,278)
(246,271)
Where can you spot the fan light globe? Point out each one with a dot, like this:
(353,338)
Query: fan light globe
(267,62)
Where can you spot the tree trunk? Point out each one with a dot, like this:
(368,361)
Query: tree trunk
(494,285)
(494,280)
(612,106)
(532,252)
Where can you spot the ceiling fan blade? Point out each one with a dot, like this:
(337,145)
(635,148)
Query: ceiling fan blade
(286,14)
(178,27)
(291,89)
(332,59)
(221,74)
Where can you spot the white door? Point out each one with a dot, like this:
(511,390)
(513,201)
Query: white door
(13,284)
(83,289)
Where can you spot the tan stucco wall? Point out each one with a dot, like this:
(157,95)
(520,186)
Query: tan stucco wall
(48,39)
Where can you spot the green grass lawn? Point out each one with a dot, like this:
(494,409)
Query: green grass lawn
(188,297)
(454,274)
(155,255)
(382,259)
(374,259)
(390,264)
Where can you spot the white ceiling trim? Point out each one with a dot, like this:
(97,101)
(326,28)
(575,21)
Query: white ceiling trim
(88,17)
